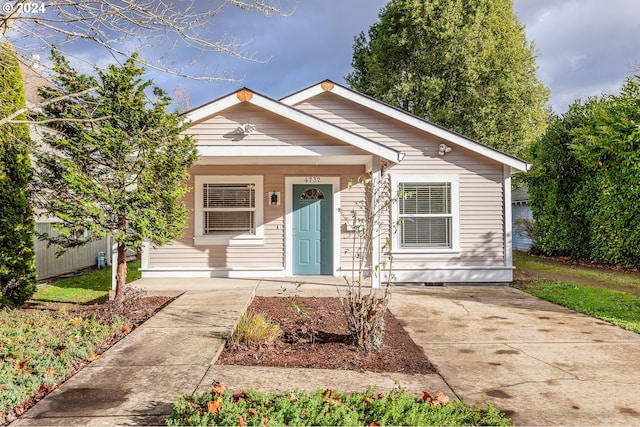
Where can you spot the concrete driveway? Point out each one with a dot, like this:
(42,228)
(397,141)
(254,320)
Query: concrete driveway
(539,363)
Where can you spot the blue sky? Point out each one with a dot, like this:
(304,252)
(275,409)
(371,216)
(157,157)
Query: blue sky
(586,47)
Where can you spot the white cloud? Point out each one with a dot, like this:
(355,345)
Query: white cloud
(587,47)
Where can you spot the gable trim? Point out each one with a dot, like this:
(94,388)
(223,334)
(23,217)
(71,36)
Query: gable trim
(407,118)
(288,112)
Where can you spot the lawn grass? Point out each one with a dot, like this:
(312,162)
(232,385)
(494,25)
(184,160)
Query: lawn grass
(88,288)
(610,295)
(578,273)
(612,306)
(328,408)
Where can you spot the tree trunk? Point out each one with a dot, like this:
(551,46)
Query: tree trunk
(121,272)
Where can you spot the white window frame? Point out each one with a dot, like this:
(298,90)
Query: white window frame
(454,181)
(235,239)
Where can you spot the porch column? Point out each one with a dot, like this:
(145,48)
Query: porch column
(145,254)
(114,264)
(508,227)
(376,278)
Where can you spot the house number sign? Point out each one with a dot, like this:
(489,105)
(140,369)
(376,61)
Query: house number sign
(311,179)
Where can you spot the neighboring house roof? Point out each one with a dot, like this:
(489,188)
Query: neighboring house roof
(288,112)
(32,81)
(408,119)
(520,195)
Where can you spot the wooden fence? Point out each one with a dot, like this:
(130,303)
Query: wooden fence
(48,265)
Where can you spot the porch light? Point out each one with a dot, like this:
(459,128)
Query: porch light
(443,149)
(246,129)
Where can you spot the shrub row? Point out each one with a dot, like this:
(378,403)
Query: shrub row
(585,182)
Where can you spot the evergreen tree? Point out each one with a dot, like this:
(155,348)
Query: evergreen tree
(17,258)
(117,164)
(463,64)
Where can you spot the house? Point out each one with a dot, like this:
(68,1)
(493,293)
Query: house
(273,177)
(49,265)
(522,219)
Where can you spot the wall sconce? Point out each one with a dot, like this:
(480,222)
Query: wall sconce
(274,198)
(246,129)
(443,149)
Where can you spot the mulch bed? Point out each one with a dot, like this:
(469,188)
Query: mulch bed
(318,339)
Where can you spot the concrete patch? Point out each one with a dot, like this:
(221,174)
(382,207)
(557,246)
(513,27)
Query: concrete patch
(267,379)
(164,347)
(117,392)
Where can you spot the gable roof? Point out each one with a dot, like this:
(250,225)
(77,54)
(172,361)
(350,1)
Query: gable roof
(288,112)
(409,119)
(32,80)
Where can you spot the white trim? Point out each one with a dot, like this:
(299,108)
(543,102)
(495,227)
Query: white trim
(376,178)
(508,217)
(114,265)
(289,181)
(454,180)
(300,117)
(211,108)
(229,239)
(411,120)
(278,150)
(304,94)
(204,272)
(144,258)
(453,274)
(364,160)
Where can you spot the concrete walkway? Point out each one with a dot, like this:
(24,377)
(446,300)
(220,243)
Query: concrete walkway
(541,364)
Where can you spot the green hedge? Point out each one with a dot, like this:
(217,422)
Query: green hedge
(17,258)
(585,182)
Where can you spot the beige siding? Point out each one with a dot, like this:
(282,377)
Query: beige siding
(481,214)
(183,253)
(271,129)
(481,179)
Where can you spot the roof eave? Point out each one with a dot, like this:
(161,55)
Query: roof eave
(407,118)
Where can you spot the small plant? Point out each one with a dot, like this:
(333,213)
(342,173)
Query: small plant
(254,330)
(364,309)
(294,305)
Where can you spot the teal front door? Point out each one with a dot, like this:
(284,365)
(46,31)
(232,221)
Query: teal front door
(312,235)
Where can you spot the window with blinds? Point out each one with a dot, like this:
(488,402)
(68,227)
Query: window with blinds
(228,208)
(425,214)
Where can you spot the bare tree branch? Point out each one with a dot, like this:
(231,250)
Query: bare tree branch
(9,118)
(66,120)
(122,27)
(159,29)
